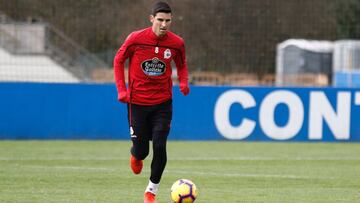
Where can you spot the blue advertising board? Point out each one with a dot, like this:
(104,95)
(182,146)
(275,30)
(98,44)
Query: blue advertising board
(91,111)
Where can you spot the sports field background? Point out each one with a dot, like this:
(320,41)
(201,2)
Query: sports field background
(224,172)
(53,42)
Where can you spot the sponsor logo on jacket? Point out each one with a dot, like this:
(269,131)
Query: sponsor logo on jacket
(153,67)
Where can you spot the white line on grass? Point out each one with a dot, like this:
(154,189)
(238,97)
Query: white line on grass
(188,172)
(200,173)
(266,159)
(187,159)
(81,168)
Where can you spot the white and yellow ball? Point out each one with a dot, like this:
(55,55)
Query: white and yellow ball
(184,191)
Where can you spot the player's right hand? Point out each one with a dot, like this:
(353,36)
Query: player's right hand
(123,97)
(184,88)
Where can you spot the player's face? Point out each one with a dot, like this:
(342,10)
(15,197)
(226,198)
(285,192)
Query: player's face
(161,23)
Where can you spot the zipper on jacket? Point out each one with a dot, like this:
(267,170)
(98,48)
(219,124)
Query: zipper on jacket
(157,48)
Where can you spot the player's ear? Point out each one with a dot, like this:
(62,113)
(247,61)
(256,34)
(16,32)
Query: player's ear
(151,18)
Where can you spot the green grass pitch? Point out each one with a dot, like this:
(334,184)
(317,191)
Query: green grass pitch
(224,172)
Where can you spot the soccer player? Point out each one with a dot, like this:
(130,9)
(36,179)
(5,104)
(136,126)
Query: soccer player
(149,91)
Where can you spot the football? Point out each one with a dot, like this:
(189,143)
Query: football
(183,191)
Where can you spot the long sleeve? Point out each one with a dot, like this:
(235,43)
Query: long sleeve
(181,66)
(122,54)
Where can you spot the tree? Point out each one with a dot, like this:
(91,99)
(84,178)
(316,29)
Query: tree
(348,19)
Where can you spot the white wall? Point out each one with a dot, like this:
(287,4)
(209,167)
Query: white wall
(32,68)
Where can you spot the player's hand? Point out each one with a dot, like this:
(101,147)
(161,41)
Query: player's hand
(123,97)
(184,88)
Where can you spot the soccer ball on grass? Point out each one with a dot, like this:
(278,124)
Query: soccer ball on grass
(183,191)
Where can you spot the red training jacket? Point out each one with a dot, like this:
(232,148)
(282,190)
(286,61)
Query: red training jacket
(150,70)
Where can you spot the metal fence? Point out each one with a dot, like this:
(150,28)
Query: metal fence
(43,51)
(230,42)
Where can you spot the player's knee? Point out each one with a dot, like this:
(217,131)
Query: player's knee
(159,147)
(143,156)
(140,154)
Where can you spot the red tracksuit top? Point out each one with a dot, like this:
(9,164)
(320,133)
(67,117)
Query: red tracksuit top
(150,70)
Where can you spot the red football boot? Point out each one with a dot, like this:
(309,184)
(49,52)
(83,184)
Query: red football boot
(136,165)
(149,197)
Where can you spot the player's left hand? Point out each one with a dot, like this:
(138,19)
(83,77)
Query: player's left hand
(184,88)
(123,97)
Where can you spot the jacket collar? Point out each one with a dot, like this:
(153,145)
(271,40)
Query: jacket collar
(155,37)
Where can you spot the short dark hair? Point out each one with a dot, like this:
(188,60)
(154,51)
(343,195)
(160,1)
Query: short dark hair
(161,7)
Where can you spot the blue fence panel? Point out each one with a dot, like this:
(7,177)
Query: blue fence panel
(91,111)
(268,114)
(346,79)
(60,111)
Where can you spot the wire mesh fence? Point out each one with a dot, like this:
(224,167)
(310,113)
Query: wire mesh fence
(230,42)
